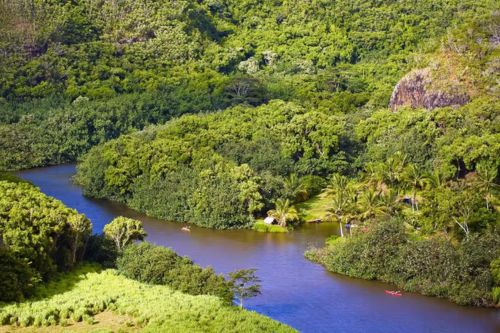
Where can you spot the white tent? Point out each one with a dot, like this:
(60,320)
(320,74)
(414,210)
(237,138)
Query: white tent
(269,220)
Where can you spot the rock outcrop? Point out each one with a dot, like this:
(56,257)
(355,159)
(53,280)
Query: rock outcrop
(415,90)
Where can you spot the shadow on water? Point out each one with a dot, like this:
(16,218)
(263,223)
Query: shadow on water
(295,291)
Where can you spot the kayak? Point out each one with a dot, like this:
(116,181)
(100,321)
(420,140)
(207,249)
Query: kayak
(393,293)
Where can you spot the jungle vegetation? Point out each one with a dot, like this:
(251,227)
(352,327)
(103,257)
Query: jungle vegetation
(229,111)
(43,281)
(77,73)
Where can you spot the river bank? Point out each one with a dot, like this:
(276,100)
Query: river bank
(331,303)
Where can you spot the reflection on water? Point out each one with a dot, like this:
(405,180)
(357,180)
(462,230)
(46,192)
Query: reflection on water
(295,291)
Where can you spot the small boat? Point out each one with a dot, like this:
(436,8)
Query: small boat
(393,293)
(185,229)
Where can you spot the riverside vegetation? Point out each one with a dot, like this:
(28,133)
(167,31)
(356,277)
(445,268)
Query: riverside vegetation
(150,285)
(387,109)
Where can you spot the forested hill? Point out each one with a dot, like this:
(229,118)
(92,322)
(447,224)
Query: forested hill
(77,73)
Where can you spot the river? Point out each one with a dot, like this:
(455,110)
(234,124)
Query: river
(295,291)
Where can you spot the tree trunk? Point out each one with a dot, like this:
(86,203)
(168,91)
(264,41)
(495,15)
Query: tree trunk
(75,247)
(413,201)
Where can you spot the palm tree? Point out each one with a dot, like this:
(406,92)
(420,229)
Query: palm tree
(434,180)
(341,206)
(395,167)
(338,184)
(283,212)
(390,200)
(416,180)
(293,187)
(371,205)
(487,175)
(342,203)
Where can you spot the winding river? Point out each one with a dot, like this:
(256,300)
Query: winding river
(295,291)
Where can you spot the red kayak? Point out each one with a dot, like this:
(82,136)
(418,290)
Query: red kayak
(393,293)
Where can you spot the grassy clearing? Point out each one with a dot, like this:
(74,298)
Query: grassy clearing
(260,226)
(315,208)
(80,296)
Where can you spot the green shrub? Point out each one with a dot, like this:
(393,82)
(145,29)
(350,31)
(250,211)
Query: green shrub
(432,266)
(260,226)
(101,250)
(159,265)
(17,278)
(39,235)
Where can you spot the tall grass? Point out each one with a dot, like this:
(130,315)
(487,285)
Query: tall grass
(87,291)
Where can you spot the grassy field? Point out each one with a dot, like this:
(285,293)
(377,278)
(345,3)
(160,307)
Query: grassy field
(315,208)
(91,299)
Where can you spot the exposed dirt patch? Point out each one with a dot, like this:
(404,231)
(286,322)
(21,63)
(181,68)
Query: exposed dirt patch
(106,321)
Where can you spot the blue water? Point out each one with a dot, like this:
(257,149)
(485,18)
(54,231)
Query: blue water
(295,291)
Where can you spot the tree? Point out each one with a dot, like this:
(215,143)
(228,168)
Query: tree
(395,167)
(416,179)
(245,284)
(293,188)
(81,228)
(338,184)
(390,200)
(284,212)
(341,205)
(487,175)
(343,198)
(123,231)
(371,205)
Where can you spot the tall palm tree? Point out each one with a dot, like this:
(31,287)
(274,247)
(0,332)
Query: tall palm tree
(434,180)
(395,167)
(374,174)
(283,212)
(390,199)
(371,205)
(343,198)
(434,187)
(416,180)
(338,184)
(487,175)
(293,187)
(341,207)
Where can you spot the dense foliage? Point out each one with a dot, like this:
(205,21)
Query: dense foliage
(149,263)
(87,291)
(76,73)
(302,88)
(215,170)
(38,236)
(37,133)
(431,266)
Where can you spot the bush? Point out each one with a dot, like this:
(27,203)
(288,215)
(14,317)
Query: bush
(39,236)
(17,278)
(159,265)
(431,266)
(260,226)
(101,250)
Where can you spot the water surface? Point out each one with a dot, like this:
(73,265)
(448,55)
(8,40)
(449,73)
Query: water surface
(295,291)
